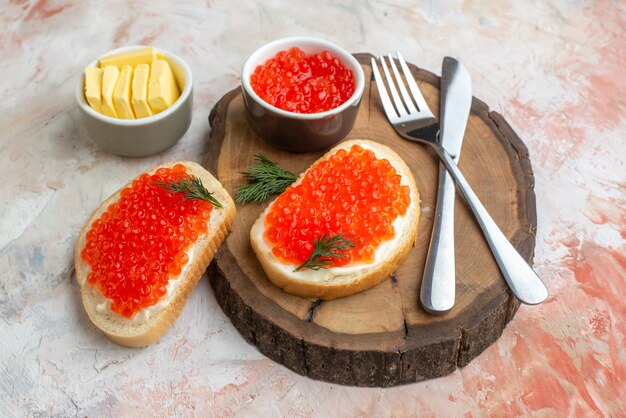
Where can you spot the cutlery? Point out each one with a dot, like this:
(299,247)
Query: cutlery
(438,282)
(411,123)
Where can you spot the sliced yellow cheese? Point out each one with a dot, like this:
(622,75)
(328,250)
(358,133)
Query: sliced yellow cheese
(162,88)
(140,91)
(110,74)
(121,95)
(93,88)
(132,58)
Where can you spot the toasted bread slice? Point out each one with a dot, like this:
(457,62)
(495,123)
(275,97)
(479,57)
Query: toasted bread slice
(338,282)
(150,323)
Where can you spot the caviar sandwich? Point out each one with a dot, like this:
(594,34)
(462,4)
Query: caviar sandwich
(141,253)
(343,226)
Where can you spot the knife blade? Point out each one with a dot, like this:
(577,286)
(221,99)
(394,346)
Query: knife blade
(456,101)
(437,293)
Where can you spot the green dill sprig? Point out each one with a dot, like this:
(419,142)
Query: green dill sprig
(325,249)
(192,188)
(266,178)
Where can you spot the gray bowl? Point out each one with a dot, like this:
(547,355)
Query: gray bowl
(300,132)
(145,136)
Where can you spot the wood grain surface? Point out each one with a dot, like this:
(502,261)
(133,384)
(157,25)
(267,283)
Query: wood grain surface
(380,337)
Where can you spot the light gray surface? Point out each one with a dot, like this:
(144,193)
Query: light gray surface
(536,63)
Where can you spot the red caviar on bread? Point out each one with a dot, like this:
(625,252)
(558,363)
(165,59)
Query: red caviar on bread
(142,251)
(361,191)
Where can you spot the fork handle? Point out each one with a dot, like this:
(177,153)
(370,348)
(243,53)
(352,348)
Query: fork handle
(521,278)
(438,282)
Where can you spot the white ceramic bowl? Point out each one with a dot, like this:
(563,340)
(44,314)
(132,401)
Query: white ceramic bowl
(301,132)
(145,136)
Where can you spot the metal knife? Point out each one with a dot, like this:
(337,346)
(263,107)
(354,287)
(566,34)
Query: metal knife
(438,282)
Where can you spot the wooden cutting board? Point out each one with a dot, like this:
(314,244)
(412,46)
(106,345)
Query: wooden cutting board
(381,337)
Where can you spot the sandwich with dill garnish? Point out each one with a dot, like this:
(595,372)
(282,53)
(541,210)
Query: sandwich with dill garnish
(142,251)
(341,227)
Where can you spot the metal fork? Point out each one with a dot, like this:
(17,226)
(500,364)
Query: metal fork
(415,123)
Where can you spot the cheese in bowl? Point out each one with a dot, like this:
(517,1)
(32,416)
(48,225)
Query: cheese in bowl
(136,101)
(131,85)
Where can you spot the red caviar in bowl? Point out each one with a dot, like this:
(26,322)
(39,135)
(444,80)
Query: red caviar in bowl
(353,194)
(140,242)
(300,83)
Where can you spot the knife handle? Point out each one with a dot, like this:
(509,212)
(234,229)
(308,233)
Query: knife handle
(438,282)
(521,278)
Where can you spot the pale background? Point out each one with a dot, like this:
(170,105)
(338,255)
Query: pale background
(554,69)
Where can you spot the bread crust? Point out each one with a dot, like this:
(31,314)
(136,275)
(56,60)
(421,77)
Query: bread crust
(367,278)
(134,333)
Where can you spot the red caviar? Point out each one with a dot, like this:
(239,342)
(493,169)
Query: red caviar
(352,193)
(139,243)
(295,82)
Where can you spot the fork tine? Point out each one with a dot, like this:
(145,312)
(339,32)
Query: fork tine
(405,94)
(415,91)
(382,92)
(392,88)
